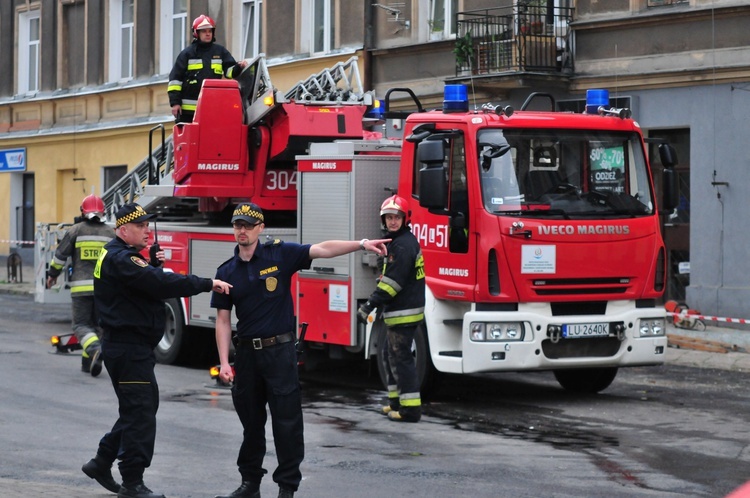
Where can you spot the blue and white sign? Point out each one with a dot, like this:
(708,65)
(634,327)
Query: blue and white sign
(12,160)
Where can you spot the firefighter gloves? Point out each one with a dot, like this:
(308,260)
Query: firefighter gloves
(364,311)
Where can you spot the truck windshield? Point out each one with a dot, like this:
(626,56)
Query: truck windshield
(563,173)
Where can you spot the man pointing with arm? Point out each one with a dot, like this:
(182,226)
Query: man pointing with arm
(266,359)
(129,295)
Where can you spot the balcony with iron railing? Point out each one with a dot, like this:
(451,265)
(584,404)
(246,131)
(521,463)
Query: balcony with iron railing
(531,37)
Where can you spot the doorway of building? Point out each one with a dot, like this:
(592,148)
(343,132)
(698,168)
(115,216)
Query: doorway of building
(675,225)
(26,224)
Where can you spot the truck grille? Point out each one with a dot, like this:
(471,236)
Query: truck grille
(595,347)
(579,308)
(577,286)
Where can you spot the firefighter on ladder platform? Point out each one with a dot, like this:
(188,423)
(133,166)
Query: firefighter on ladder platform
(202,59)
(82,243)
(400,294)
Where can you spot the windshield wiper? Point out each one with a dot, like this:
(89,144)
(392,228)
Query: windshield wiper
(532,213)
(620,203)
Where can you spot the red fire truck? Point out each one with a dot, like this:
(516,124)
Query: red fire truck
(539,229)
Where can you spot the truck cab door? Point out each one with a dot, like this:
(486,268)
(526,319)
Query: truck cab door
(442,222)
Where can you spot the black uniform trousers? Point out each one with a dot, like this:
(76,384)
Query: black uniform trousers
(263,377)
(400,361)
(131,439)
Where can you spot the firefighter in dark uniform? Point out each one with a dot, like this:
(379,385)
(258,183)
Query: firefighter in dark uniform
(400,294)
(202,59)
(129,294)
(266,360)
(82,243)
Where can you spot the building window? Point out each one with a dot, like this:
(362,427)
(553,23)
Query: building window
(659,3)
(111,175)
(175,33)
(121,22)
(28,52)
(179,26)
(442,18)
(323,28)
(252,35)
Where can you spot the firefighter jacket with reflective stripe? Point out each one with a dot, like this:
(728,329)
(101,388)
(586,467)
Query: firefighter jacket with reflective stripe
(400,293)
(129,294)
(197,62)
(82,243)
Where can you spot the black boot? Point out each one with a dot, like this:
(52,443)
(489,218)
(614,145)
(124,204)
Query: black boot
(286,493)
(95,356)
(392,406)
(97,469)
(137,491)
(247,489)
(85,364)
(411,414)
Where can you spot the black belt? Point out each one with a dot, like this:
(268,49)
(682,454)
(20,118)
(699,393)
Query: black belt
(258,343)
(124,337)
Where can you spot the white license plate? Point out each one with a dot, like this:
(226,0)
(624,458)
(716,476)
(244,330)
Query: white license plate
(578,330)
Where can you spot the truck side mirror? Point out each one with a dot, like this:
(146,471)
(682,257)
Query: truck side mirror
(670,194)
(667,155)
(430,152)
(433,188)
(433,180)
(670,197)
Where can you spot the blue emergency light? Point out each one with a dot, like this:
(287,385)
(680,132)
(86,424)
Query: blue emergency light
(376,110)
(596,98)
(455,98)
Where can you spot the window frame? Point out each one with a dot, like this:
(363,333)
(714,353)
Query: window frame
(26,47)
(167,52)
(256,30)
(115,41)
(109,172)
(449,9)
(329,26)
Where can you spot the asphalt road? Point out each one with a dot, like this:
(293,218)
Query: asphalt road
(676,430)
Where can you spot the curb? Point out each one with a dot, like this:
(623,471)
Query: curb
(716,347)
(28,286)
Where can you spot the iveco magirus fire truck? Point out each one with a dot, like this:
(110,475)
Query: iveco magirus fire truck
(539,229)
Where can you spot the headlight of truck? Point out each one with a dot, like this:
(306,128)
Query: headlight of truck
(496,332)
(652,327)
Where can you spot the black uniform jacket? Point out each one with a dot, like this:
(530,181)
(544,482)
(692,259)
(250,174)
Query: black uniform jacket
(129,293)
(401,290)
(197,62)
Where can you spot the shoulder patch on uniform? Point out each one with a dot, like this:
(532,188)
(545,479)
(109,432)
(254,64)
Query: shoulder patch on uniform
(273,242)
(139,261)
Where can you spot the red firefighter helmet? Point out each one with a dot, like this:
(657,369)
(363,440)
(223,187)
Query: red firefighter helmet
(395,205)
(92,207)
(203,22)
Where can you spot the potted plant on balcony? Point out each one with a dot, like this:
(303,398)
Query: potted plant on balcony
(464,52)
(531,14)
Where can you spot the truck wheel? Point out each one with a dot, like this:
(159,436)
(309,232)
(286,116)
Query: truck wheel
(426,372)
(586,380)
(168,349)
